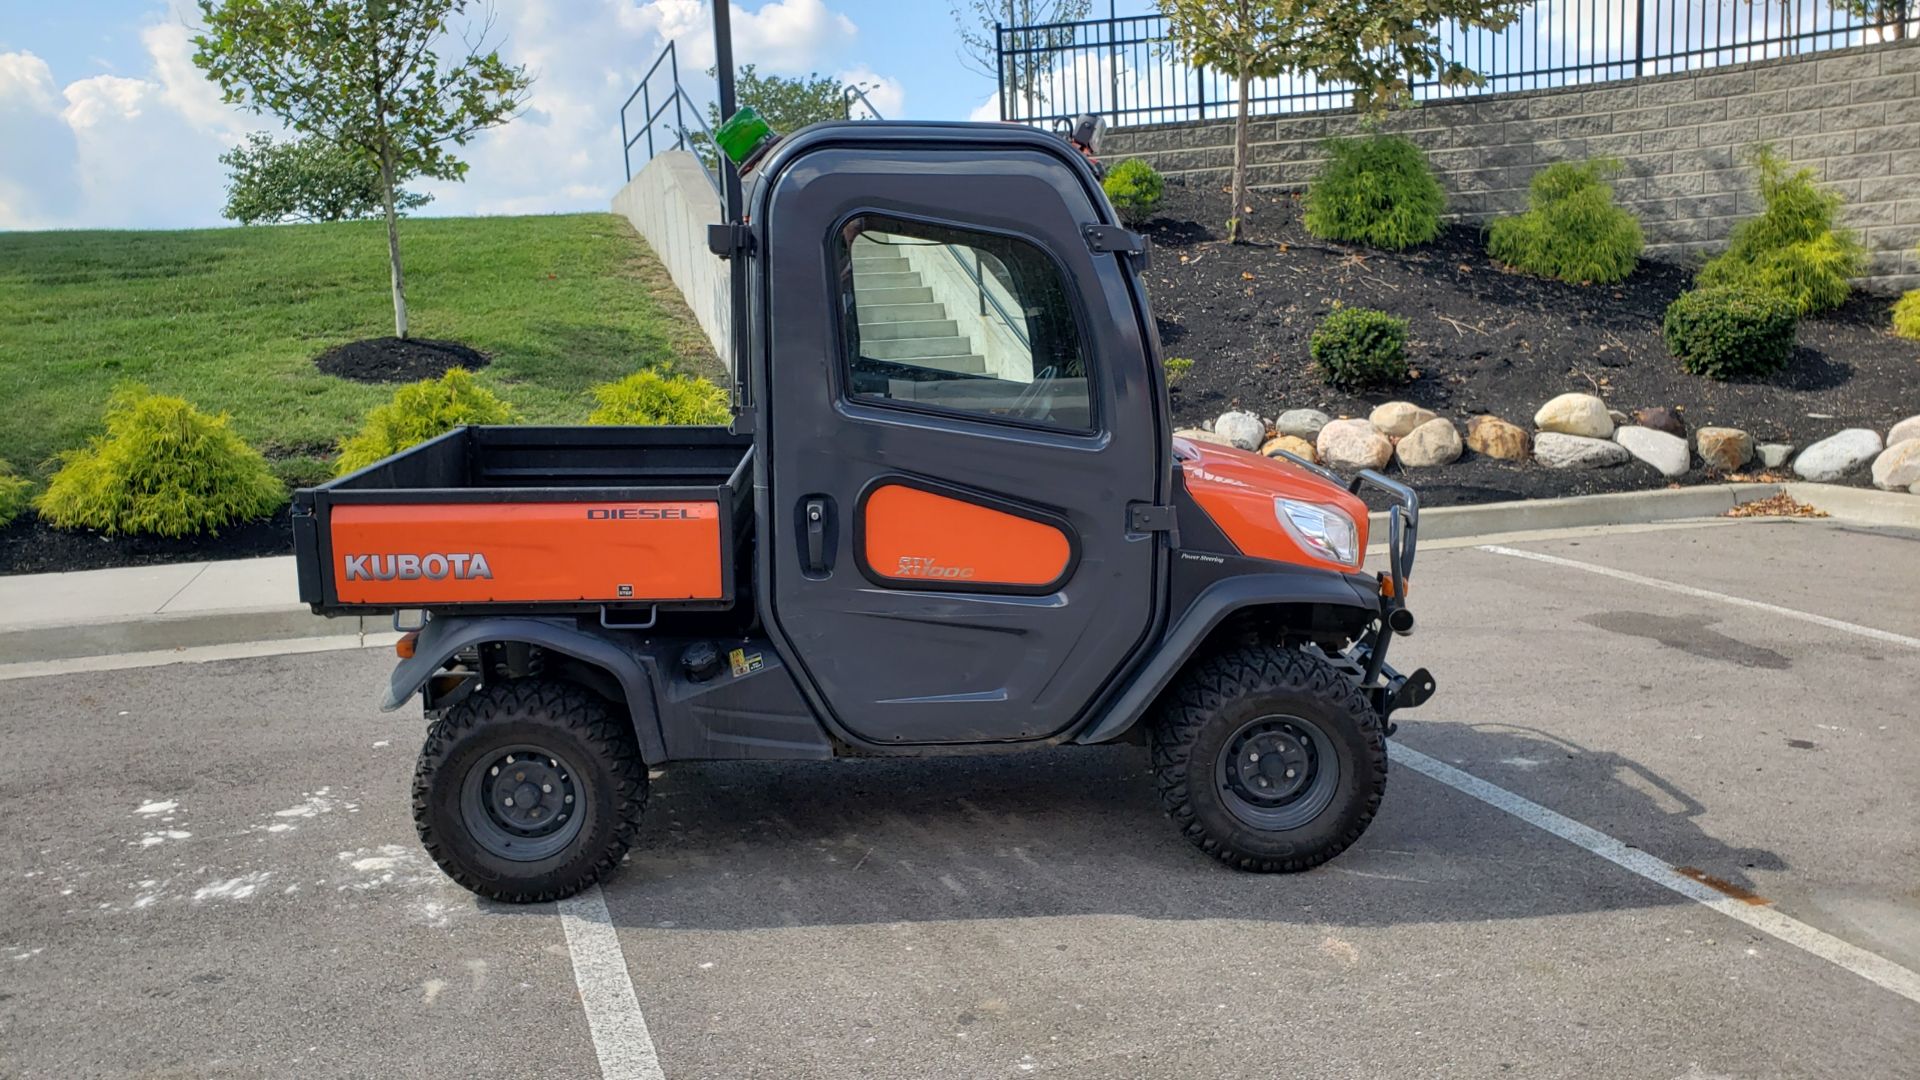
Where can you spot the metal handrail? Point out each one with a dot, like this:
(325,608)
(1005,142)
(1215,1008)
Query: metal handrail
(851,91)
(680,102)
(987,298)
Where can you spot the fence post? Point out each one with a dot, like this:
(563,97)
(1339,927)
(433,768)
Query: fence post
(1639,39)
(1000,68)
(626,148)
(1113,59)
(1200,87)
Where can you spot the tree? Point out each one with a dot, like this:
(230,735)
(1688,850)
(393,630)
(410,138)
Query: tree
(787,105)
(1380,48)
(1892,16)
(364,74)
(307,179)
(1024,72)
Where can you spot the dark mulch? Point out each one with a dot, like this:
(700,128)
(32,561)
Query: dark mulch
(398,360)
(29,546)
(1484,340)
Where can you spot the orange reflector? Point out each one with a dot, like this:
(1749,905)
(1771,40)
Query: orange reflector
(1386,586)
(404,647)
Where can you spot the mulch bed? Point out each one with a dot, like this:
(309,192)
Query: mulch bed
(29,546)
(1485,340)
(398,360)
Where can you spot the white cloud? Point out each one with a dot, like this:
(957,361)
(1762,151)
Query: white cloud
(141,148)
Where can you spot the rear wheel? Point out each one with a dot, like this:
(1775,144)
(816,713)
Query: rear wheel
(528,791)
(1269,760)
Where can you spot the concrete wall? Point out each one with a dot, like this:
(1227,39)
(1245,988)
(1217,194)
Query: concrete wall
(671,203)
(1852,115)
(954,288)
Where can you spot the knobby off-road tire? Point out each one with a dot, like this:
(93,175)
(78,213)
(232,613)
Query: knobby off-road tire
(1307,716)
(528,791)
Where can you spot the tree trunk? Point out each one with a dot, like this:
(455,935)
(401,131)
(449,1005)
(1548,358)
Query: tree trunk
(393,251)
(1240,195)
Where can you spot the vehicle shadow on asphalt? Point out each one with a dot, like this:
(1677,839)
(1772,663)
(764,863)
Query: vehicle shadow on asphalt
(1079,831)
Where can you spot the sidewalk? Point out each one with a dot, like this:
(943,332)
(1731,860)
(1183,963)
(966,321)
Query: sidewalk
(145,608)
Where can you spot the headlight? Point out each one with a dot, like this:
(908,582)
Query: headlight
(1321,529)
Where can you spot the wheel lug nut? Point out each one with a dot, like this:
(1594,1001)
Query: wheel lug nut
(1289,774)
(509,800)
(509,759)
(1255,756)
(546,787)
(569,799)
(496,771)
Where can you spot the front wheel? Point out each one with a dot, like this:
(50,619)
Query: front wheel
(1269,759)
(528,791)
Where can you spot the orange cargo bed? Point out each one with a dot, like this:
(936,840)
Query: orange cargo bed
(563,519)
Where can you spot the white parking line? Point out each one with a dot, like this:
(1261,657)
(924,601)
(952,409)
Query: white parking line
(1767,920)
(620,1037)
(196,654)
(1707,594)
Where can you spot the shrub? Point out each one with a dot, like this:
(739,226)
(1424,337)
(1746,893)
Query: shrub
(418,412)
(648,397)
(1356,348)
(14,494)
(164,468)
(1571,230)
(302,471)
(1378,190)
(1730,331)
(1792,247)
(1176,367)
(1906,315)
(1134,188)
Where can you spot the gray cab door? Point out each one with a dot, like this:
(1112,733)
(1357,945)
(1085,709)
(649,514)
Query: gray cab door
(960,408)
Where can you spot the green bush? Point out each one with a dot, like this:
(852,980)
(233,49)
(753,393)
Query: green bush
(418,412)
(1378,190)
(302,471)
(1906,315)
(1793,247)
(648,397)
(1571,230)
(1357,348)
(1135,189)
(1177,368)
(163,468)
(15,492)
(1731,331)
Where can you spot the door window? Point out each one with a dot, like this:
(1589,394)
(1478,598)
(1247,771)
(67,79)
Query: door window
(957,320)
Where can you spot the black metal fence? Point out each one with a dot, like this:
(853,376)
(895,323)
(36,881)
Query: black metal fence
(1127,70)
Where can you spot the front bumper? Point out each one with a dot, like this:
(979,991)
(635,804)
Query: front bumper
(1389,689)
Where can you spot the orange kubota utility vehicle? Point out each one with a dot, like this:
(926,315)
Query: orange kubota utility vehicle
(950,516)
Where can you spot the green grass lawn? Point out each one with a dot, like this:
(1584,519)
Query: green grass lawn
(231,319)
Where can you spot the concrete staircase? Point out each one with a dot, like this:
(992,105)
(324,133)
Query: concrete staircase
(899,318)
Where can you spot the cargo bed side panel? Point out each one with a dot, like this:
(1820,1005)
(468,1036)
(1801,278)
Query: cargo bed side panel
(439,553)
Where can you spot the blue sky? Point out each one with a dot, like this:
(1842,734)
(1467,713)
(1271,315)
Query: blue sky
(105,122)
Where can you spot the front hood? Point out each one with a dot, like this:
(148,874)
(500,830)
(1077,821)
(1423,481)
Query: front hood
(1236,489)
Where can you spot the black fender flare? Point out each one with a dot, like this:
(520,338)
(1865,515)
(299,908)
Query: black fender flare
(1207,611)
(441,638)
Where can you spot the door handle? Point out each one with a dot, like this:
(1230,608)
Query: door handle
(814,511)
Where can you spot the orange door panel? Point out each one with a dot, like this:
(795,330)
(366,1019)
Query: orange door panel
(469,553)
(923,537)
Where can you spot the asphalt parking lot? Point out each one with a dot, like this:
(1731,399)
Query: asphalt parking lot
(210,870)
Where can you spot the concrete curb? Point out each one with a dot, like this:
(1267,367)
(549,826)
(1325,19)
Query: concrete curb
(153,633)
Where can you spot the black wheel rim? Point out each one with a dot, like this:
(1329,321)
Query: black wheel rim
(1277,772)
(522,803)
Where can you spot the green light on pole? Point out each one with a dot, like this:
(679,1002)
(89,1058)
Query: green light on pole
(744,133)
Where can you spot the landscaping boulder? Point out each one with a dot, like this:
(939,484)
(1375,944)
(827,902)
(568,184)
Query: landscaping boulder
(1558,450)
(1396,418)
(1664,451)
(1292,444)
(1661,418)
(1898,467)
(1241,429)
(1348,445)
(1575,414)
(1773,455)
(1194,434)
(1496,438)
(1723,449)
(1301,423)
(1904,430)
(1432,443)
(1837,455)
